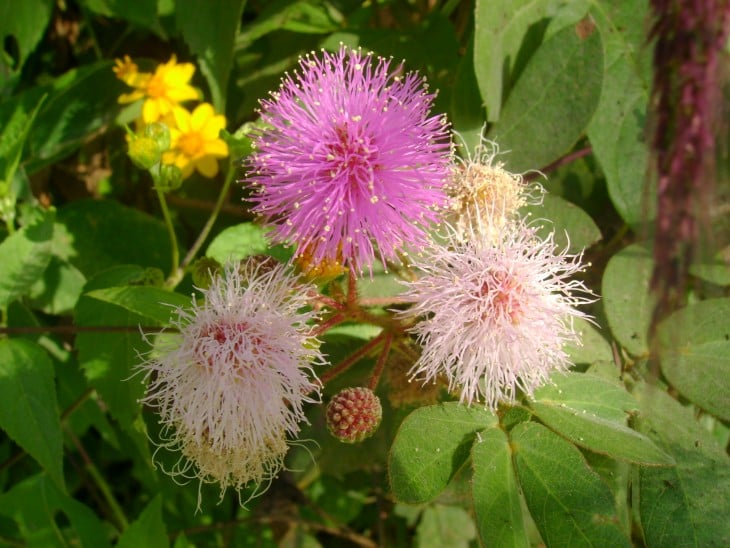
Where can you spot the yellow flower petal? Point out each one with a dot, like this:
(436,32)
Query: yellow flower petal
(207,166)
(213,127)
(202,113)
(181,117)
(217,148)
(151,111)
(130,97)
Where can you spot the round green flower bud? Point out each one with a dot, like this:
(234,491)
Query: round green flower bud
(144,152)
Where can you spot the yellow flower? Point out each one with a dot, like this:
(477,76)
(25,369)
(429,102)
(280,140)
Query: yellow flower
(163,90)
(194,141)
(128,72)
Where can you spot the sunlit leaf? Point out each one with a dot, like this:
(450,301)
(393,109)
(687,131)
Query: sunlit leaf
(626,297)
(694,353)
(617,131)
(238,242)
(442,525)
(153,303)
(210,32)
(568,71)
(568,501)
(503,28)
(686,505)
(496,493)
(591,412)
(431,445)
(24,22)
(573,228)
(25,256)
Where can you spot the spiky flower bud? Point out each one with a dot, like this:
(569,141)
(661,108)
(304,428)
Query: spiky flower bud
(354,414)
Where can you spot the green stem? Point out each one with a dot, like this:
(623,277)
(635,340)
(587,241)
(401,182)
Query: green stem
(170,232)
(179,271)
(101,483)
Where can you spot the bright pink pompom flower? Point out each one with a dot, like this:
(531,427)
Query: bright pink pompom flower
(350,164)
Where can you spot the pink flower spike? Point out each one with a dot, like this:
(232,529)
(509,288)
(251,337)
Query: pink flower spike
(494,318)
(350,165)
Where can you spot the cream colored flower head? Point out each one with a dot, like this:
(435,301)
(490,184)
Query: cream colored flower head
(484,196)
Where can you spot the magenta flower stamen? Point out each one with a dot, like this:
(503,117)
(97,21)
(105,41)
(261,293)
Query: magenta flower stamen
(350,165)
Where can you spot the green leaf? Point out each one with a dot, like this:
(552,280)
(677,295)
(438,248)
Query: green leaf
(336,498)
(24,22)
(108,358)
(29,412)
(568,501)
(617,132)
(152,303)
(382,283)
(432,443)
(593,348)
(25,256)
(466,110)
(626,298)
(694,353)
(148,530)
(686,505)
(496,493)
(210,33)
(79,103)
(573,228)
(59,289)
(238,242)
(142,12)
(553,100)
(502,28)
(34,504)
(443,525)
(715,270)
(299,16)
(591,412)
(14,133)
(105,233)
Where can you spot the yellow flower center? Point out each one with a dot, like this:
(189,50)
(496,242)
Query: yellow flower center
(191,144)
(156,87)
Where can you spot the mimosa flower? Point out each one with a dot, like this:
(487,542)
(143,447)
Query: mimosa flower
(484,196)
(230,389)
(162,90)
(493,319)
(350,165)
(194,141)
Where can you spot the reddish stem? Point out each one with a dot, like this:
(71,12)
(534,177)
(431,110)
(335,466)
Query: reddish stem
(353,358)
(328,324)
(380,365)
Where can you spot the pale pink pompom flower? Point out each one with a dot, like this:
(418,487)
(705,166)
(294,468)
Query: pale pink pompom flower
(230,389)
(494,318)
(350,164)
